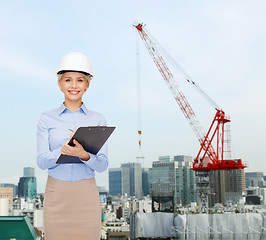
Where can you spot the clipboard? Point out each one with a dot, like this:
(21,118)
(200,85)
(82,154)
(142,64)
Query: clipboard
(91,138)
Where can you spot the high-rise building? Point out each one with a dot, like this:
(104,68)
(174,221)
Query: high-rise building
(254,179)
(183,158)
(128,180)
(226,186)
(166,158)
(6,192)
(189,181)
(28,172)
(173,175)
(131,179)
(27,186)
(145,182)
(125,181)
(115,184)
(10,185)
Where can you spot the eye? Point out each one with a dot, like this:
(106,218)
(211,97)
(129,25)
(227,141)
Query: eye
(67,80)
(80,80)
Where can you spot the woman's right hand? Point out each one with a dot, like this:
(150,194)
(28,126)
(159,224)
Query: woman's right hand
(77,150)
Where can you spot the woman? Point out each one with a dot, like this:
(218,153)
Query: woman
(71,202)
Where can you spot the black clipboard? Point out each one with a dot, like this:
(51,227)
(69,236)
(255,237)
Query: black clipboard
(91,138)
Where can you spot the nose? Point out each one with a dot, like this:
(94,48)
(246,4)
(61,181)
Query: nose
(74,84)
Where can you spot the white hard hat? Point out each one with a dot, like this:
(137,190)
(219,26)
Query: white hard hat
(75,62)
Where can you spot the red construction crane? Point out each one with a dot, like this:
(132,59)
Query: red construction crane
(208,157)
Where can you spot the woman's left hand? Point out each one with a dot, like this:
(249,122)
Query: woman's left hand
(77,150)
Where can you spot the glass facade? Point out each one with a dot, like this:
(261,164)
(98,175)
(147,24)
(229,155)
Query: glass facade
(28,172)
(132,179)
(27,187)
(189,178)
(174,176)
(115,186)
(145,182)
(254,179)
(226,186)
(180,189)
(128,180)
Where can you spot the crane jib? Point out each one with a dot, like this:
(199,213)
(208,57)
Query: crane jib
(208,157)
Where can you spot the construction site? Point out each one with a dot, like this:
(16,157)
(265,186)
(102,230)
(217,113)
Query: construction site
(219,178)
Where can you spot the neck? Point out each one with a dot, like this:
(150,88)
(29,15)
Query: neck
(73,106)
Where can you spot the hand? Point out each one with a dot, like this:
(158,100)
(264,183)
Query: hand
(77,150)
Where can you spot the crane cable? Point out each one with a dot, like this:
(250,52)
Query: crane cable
(140,154)
(185,74)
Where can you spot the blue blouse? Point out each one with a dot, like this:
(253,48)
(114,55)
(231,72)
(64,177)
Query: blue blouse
(53,131)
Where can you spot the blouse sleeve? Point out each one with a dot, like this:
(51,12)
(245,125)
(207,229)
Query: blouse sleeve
(45,157)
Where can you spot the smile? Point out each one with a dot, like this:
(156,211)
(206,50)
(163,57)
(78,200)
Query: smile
(73,92)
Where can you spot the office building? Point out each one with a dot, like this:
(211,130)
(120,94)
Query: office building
(128,180)
(28,172)
(183,158)
(226,186)
(27,186)
(10,185)
(166,158)
(145,182)
(125,181)
(255,196)
(254,179)
(131,178)
(115,185)
(173,175)
(6,192)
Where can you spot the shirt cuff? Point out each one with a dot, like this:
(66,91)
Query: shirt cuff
(90,161)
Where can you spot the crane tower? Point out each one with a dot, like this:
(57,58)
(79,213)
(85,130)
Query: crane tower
(208,157)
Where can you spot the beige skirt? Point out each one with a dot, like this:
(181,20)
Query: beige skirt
(72,210)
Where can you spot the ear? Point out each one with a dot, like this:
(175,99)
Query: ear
(59,83)
(88,84)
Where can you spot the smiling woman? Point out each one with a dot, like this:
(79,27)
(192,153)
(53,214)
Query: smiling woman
(71,201)
(73,85)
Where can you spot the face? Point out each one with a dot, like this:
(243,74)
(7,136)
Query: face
(73,85)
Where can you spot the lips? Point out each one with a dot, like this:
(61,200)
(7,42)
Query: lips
(73,92)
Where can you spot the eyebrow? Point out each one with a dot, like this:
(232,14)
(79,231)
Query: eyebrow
(81,77)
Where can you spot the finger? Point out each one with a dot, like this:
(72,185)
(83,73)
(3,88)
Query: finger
(63,151)
(77,143)
(67,151)
(65,148)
